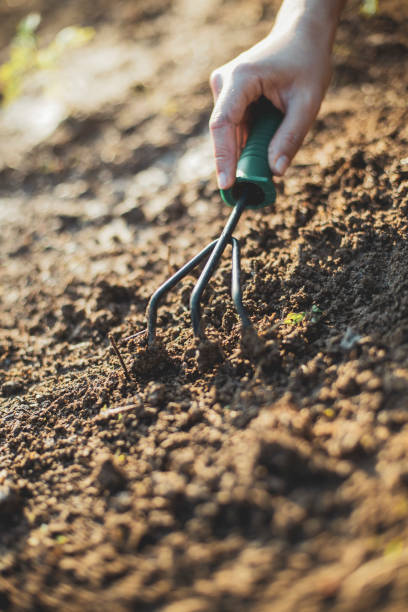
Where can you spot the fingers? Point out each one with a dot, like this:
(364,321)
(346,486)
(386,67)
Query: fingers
(285,144)
(233,92)
(223,135)
(234,87)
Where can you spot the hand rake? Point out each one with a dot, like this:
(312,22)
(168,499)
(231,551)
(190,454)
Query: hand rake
(254,189)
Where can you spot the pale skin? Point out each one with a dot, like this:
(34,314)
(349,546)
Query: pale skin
(291,67)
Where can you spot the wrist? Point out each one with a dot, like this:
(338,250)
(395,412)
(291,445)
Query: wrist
(316,18)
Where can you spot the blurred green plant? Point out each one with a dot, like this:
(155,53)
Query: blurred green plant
(369,7)
(22,57)
(25,56)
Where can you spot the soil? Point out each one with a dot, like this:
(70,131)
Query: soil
(258,471)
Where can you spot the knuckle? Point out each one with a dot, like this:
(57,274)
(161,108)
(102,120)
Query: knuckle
(221,150)
(218,120)
(242,71)
(220,159)
(215,77)
(222,153)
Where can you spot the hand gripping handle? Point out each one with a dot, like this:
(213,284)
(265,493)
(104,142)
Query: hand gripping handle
(253,166)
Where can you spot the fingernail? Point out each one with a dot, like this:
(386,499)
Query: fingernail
(222,180)
(282,165)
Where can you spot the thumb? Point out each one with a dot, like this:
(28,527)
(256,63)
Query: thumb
(290,135)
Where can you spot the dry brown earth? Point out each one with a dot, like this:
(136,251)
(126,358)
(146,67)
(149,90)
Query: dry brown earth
(254,474)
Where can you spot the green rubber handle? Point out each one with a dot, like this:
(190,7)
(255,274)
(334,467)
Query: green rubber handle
(253,166)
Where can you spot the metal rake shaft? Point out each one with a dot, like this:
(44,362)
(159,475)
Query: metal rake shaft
(214,250)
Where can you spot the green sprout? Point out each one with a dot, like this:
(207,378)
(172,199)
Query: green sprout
(294,318)
(316,314)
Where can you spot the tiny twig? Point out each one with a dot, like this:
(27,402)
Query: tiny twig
(115,411)
(134,335)
(169,266)
(119,356)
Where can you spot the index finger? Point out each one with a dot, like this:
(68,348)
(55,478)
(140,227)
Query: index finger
(224,138)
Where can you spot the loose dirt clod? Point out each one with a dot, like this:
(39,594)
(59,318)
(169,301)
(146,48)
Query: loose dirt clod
(10,503)
(12,387)
(208,354)
(109,476)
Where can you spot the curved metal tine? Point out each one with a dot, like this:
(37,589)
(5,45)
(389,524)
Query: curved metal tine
(167,286)
(236,292)
(213,260)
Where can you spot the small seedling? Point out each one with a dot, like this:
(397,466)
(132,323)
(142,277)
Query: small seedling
(294,318)
(316,314)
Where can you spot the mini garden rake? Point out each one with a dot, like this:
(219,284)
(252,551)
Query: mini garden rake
(254,189)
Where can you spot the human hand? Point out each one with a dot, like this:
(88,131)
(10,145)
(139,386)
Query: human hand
(292,68)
